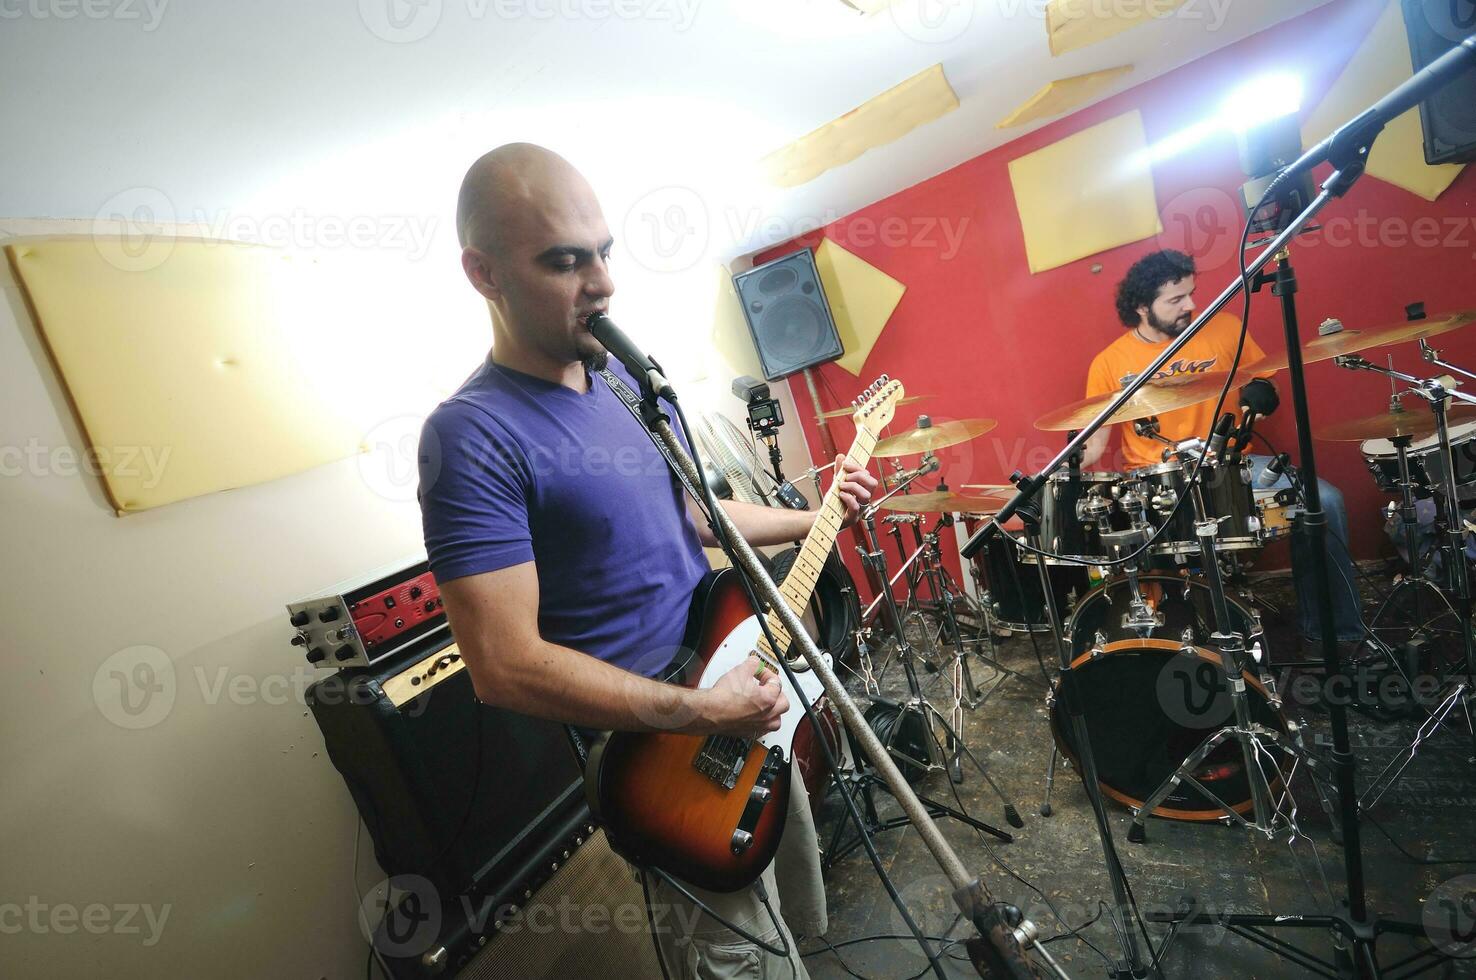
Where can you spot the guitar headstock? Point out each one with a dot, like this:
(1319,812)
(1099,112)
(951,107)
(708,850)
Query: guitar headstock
(876,405)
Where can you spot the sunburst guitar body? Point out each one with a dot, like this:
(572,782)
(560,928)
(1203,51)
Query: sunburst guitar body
(710,810)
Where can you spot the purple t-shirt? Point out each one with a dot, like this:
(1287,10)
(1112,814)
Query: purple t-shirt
(514,468)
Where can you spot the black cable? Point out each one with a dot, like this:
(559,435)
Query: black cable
(1408,856)
(994,856)
(758,886)
(719,534)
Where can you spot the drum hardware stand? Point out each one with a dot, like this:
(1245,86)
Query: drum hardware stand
(862,780)
(946,595)
(1272,812)
(916,703)
(1133,964)
(1461,691)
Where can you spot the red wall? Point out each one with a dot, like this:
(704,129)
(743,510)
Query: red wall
(985,337)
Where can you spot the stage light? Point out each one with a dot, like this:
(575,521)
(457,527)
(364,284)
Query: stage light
(1260,100)
(1273,96)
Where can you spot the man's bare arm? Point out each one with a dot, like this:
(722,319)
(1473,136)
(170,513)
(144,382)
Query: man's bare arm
(494,619)
(1095,446)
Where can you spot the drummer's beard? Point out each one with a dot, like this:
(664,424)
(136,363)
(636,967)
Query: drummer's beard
(1172,327)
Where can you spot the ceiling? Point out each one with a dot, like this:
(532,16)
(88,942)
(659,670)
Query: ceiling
(381,103)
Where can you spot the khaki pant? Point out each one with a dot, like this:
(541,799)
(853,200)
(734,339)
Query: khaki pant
(796,892)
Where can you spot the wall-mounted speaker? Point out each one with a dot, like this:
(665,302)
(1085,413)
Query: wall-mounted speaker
(788,315)
(1449,116)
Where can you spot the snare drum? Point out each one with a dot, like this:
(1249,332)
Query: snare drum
(1227,498)
(1074,511)
(1425,471)
(1276,517)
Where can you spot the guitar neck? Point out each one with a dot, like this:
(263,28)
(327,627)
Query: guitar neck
(799,584)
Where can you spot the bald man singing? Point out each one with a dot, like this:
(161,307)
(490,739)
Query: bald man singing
(566,551)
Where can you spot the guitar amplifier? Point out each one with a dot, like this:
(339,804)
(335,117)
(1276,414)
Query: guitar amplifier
(472,799)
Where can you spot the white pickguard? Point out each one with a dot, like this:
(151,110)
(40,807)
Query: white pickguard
(735,649)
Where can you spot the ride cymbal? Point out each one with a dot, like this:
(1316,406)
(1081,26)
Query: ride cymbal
(942,502)
(1351,340)
(1416,423)
(1154,398)
(935,436)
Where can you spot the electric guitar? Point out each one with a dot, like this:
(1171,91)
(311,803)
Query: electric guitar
(710,809)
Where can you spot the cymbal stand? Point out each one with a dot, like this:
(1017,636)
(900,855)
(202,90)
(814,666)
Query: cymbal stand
(1460,692)
(864,780)
(1273,809)
(1133,963)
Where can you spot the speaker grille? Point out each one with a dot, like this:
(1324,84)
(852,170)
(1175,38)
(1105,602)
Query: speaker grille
(1449,116)
(788,315)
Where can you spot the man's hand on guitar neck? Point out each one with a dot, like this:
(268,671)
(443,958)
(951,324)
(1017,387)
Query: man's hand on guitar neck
(747,701)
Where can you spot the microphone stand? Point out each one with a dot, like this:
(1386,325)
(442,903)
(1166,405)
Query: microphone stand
(997,950)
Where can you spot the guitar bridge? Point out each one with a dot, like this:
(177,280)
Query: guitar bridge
(758,798)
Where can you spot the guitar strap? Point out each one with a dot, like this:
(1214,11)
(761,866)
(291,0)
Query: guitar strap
(580,739)
(632,401)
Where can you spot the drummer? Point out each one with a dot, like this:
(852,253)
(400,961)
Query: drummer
(1155,303)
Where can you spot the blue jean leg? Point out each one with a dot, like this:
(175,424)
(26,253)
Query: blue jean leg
(1343,580)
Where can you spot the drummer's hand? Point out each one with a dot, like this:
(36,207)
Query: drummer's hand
(856,484)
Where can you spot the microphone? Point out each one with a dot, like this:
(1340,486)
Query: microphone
(1216,447)
(624,350)
(1274,470)
(1242,435)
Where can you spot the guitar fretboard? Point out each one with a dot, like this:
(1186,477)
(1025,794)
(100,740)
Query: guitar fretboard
(799,584)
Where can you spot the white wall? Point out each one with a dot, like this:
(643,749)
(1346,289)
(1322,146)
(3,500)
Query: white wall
(208,801)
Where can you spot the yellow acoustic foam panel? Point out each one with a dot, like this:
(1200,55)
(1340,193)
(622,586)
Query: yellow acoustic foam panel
(861,297)
(1061,95)
(201,366)
(889,116)
(1072,24)
(1086,193)
(1380,63)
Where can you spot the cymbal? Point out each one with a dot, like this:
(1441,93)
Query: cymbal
(1351,340)
(1154,398)
(836,413)
(942,502)
(1414,422)
(935,436)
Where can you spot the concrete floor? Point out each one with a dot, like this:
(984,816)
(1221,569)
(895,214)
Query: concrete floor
(1054,870)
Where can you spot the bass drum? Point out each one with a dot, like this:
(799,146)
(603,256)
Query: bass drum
(1152,693)
(834,613)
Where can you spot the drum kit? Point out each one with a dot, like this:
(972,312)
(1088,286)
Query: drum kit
(1125,568)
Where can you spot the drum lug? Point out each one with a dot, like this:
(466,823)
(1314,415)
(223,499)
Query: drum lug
(1099,644)
(1186,640)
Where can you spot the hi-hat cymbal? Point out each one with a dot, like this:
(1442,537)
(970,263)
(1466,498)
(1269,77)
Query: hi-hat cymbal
(1417,423)
(1351,340)
(942,502)
(1154,398)
(934,436)
(836,413)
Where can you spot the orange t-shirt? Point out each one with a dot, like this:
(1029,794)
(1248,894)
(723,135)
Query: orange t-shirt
(1212,349)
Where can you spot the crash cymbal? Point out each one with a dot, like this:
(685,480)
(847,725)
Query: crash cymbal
(942,502)
(1154,398)
(842,412)
(934,436)
(1351,340)
(1417,422)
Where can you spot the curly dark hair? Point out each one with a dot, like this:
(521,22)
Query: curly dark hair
(1141,284)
